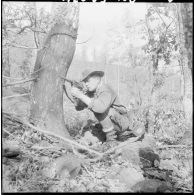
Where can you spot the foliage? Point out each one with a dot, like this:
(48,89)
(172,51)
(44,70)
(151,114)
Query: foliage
(162,35)
(169,125)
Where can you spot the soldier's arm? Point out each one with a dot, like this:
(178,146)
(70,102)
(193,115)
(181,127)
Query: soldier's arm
(102,103)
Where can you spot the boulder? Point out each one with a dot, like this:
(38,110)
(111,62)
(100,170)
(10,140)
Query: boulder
(63,167)
(131,153)
(148,157)
(11,149)
(137,153)
(129,176)
(152,185)
(156,173)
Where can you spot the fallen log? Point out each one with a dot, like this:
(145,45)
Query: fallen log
(71,142)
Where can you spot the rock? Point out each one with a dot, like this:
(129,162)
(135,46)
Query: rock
(148,158)
(64,166)
(11,149)
(131,153)
(129,176)
(81,188)
(155,173)
(187,138)
(136,153)
(152,185)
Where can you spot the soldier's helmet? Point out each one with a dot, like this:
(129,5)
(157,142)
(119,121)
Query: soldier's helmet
(87,73)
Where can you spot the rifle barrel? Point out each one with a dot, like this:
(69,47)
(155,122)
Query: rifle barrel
(67,80)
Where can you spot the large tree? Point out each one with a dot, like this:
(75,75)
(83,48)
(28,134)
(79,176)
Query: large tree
(183,13)
(53,61)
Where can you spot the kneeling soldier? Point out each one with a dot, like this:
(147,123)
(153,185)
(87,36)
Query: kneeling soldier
(101,99)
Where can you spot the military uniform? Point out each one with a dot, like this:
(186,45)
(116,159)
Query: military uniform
(108,111)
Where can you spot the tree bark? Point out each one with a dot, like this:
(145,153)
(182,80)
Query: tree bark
(53,60)
(183,30)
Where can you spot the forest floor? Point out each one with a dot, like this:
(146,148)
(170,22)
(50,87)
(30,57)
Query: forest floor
(36,162)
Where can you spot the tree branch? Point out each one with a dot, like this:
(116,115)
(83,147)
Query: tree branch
(37,30)
(37,70)
(85,41)
(23,46)
(160,16)
(24,28)
(11,78)
(20,82)
(13,96)
(71,142)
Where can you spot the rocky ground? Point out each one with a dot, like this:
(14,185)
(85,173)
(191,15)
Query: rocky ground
(35,162)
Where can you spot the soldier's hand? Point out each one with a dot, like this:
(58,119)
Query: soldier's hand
(76,92)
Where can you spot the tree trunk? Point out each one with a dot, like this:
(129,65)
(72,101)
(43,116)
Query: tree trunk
(185,60)
(153,70)
(53,61)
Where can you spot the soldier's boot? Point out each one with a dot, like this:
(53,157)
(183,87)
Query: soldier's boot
(108,129)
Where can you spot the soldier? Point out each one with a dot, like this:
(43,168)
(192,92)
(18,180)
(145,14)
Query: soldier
(102,100)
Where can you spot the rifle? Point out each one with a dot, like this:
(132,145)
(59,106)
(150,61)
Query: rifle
(79,85)
(76,84)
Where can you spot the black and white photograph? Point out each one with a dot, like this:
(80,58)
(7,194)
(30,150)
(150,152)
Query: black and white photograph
(97,97)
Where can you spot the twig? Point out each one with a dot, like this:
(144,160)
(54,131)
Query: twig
(87,39)
(84,41)
(87,171)
(24,28)
(160,16)
(38,70)
(13,96)
(173,146)
(20,82)
(20,140)
(11,78)
(23,46)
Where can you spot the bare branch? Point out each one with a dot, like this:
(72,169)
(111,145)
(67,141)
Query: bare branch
(37,70)
(35,39)
(13,96)
(20,82)
(23,46)
(39,31)
(11,78)
(24,28)
(85,41)
(160,16)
